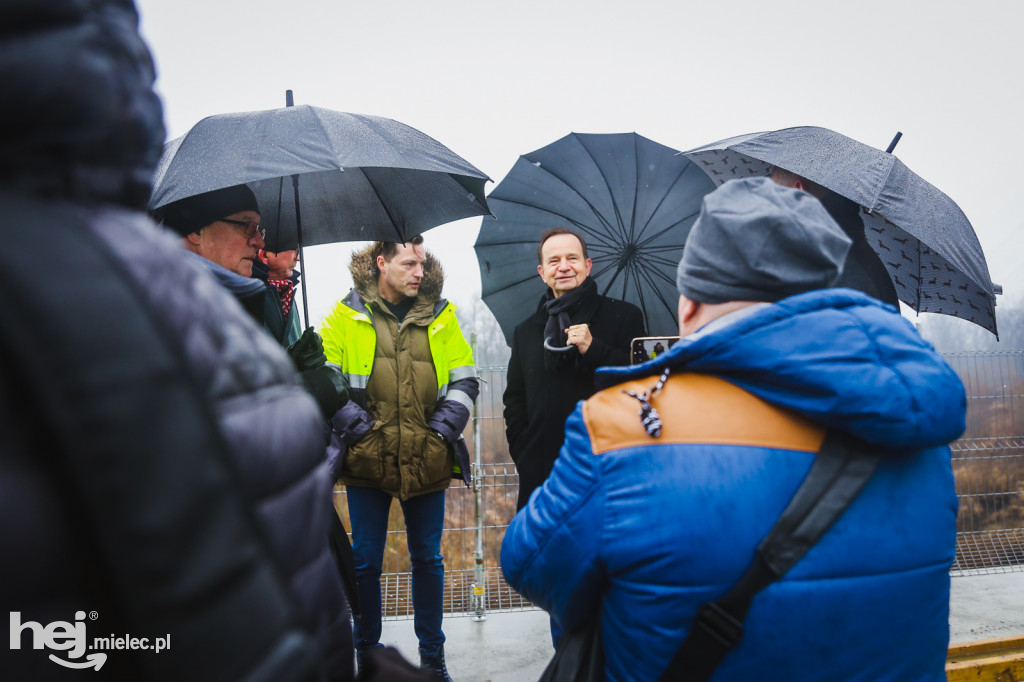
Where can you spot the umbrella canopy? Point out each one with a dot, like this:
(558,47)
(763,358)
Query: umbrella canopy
(633,200)
(921,236)
(359,177)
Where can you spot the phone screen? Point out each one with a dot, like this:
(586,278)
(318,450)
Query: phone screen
(646,348)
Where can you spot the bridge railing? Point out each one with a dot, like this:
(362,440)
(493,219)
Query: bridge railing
(988,464)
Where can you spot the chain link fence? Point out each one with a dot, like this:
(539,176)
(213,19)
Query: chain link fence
(988,464)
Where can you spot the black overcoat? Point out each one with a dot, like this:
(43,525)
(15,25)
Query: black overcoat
(538,401)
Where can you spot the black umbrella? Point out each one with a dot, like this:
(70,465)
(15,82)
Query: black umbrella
(921,236)
(633,200)
(324,176)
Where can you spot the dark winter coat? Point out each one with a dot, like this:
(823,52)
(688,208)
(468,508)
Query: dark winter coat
(160,463)
(538,401)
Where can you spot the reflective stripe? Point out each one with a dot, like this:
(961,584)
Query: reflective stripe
(358,380)
(448,346)
(459,397)
(465,372)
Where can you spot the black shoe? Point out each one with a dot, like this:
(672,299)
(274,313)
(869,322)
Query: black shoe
(434,664)
(385,664)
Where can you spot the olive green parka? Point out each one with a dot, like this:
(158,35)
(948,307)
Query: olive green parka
(413,385)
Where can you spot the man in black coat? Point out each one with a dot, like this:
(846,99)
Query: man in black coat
(555,351)
(864,270)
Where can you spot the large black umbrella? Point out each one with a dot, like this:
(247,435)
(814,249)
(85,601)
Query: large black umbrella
(633,200)
(921,236)
(324,176)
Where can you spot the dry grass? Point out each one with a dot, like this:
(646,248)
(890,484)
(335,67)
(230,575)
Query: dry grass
(988,463)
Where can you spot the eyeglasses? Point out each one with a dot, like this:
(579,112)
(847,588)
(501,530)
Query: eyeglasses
(250,228)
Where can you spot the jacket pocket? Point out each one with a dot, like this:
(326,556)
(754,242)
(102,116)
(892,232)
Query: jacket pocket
(435,460)
(363,460)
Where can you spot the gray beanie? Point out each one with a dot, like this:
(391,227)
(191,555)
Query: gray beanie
(756,240)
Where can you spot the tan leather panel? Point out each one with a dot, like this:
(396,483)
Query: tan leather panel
(696,408)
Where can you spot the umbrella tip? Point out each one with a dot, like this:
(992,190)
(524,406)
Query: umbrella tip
(895,140)
(289,100)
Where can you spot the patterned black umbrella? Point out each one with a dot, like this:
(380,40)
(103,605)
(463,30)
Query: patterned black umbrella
(633,200)
(925,241)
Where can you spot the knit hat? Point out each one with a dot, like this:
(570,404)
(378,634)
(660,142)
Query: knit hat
(192,214)
(755,240)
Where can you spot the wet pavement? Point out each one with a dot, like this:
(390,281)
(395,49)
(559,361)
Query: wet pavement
(515,646)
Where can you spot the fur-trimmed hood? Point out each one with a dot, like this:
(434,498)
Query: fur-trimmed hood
(365,274)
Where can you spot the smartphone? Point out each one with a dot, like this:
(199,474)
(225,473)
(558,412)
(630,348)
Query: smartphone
(646,348)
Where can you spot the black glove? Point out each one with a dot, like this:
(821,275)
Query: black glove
(328,386)
(308,352)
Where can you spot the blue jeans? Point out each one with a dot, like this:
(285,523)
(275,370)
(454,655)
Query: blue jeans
(424,520)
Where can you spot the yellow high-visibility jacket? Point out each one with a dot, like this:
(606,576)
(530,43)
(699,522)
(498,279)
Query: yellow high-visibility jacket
(415,381)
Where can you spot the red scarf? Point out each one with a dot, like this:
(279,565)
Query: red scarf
(286,288)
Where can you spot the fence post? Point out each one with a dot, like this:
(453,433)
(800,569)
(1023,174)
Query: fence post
(478,601)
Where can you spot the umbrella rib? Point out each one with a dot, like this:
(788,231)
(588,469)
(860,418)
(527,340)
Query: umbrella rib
(573,189)
(383,204)
(653,258)
(322,128)
(642,300)
(600,272)
(667,229)
(586,229)
(636,186)
(619,228)
(647,275)
(690,165)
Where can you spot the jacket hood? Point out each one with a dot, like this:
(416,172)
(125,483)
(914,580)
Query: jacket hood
(365,274)
(837,356)
(81,120)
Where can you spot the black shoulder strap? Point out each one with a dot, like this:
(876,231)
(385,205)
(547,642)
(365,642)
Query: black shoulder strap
(838,474)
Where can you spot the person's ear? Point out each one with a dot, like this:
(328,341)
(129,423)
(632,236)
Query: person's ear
(380,264)
(799,184)
(193,238)
(262,255)
(540,271)
(590,264)
(687,313)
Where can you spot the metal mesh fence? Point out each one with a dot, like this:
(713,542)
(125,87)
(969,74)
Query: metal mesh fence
(474,584)
(988,464)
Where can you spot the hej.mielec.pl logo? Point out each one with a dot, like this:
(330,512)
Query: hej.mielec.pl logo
(71,638)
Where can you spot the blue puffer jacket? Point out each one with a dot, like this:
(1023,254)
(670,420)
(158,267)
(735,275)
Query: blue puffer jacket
(649,529)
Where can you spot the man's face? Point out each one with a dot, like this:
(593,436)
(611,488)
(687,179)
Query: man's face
(400,277)
(563,267)
(281,264)
(227,245)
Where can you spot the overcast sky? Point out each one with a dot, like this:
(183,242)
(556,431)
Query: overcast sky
(495,80)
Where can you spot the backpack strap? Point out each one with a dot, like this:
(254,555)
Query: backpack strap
(840,470)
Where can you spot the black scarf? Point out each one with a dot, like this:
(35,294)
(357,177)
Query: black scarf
(558,310)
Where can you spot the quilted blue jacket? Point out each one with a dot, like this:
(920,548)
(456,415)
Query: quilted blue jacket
(647,529)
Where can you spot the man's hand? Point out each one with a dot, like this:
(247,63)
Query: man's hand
(579,336)
(308,352)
